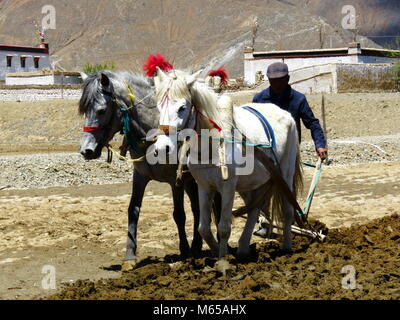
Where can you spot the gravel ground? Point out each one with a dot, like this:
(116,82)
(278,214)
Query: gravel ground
(70,169)
(357,150)
(60,170)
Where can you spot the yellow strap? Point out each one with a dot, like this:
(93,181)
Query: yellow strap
(119,156)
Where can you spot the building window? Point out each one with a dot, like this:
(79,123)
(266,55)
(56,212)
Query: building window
(23,62)
(9,61)
(36,61)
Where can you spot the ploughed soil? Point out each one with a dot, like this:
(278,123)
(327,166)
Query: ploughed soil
(360,262)
(81,232)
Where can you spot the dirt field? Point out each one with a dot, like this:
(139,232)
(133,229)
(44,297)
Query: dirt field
(54,125)
(80,229)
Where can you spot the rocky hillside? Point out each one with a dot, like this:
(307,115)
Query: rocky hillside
(377,19)
(191,33)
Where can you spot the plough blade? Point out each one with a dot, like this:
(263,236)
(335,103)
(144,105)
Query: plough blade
(298,231)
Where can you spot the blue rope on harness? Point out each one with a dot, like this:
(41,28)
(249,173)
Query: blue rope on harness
(128,132)
(266,126)
(268,131)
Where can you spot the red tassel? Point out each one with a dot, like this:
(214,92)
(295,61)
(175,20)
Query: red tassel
(212,121)
(155,61)
(220,72)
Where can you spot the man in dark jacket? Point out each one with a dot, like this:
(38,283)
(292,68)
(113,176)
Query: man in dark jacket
(282,94)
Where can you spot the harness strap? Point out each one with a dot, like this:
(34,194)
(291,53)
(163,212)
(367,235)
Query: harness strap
(90,129)
(130,94)
(264,122)
(121,157)
(268,131)
(127,128)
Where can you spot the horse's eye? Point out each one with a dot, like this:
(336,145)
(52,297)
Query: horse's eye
(181,109)
(101,112)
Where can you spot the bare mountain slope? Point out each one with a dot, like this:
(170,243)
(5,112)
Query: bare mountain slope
(189,33)
(377,19)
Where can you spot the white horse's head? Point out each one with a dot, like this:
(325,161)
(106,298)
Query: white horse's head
(174,102)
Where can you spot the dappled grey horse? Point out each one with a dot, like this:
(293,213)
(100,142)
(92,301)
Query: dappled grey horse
(109,99)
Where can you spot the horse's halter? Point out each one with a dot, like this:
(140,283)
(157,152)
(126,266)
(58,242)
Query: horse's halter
(167,129)
(106,126)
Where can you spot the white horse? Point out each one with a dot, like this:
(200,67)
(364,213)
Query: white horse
(186,103)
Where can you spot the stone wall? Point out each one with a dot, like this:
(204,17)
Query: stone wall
(342,78)
(39,94)
(365,78)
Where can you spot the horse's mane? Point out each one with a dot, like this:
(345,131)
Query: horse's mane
(92,90)
(203,98)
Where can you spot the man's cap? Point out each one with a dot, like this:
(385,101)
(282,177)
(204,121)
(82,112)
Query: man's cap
(277,70)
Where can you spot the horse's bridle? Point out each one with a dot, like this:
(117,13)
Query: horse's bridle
(107,126)
(167,129)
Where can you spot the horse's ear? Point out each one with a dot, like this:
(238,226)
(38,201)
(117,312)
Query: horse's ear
(192,78)
(157,83)
(105,81)
(84,76)
(161,75)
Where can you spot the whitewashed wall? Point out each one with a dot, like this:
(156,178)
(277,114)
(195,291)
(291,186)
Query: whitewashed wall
(251,65)
(16,63)
(43,80)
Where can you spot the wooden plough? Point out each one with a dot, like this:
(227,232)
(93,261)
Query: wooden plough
(300,215)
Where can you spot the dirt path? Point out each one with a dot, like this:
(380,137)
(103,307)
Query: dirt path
(81,230)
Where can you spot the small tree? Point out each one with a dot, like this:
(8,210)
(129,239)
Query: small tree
(89,68)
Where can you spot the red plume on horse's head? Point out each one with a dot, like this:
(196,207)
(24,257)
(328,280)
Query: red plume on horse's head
(155,61)
(220,72)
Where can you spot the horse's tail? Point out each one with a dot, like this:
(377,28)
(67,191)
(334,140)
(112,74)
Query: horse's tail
(278,198)
(298,183)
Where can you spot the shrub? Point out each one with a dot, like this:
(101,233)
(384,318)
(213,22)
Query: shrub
(89,68)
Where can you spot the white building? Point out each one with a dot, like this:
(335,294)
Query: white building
(43,78)
(299,59)
(20,59)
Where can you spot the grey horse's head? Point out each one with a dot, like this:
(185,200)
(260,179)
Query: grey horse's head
(100,106)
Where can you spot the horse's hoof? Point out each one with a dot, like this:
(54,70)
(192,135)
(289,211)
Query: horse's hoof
(129,265)
(243,256)
(196,248)
(215,253)
(196,253)
(285,251)
(185,252)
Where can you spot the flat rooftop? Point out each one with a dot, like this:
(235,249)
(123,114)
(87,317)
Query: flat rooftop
(324,52)
(27,49)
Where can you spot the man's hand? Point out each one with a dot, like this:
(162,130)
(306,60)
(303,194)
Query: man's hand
(322,153)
